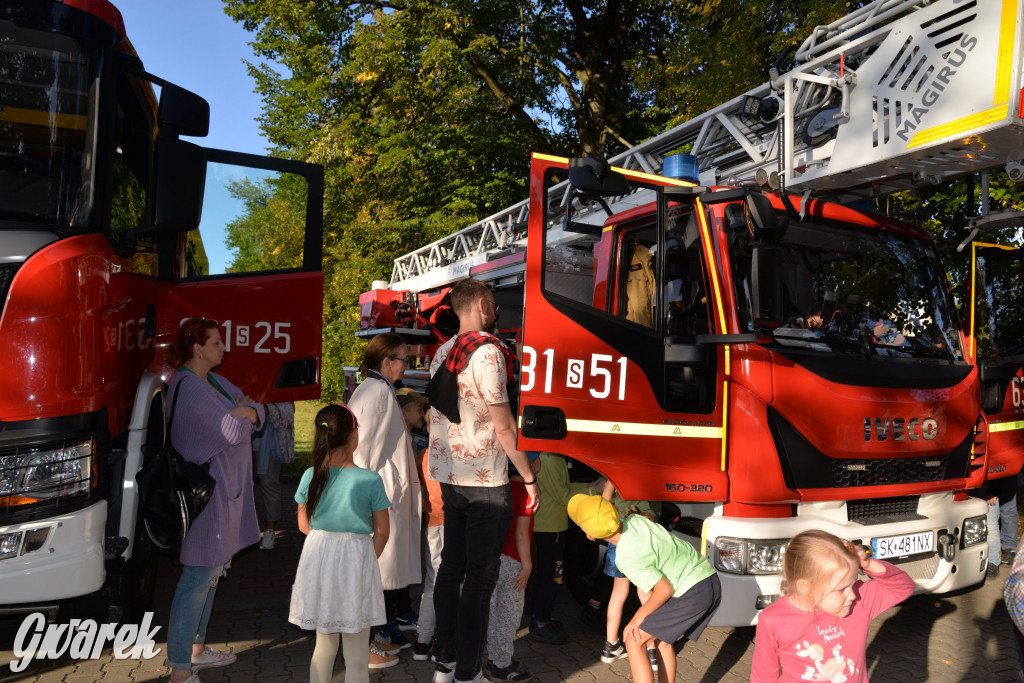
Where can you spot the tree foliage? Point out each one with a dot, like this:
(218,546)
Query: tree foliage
(424,112)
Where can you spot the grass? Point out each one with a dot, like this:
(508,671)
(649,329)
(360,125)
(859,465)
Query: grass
(305,411)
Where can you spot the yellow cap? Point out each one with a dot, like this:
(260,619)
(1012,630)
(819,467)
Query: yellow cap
(595,515)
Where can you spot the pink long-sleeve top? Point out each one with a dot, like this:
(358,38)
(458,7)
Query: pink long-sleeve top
(794,645)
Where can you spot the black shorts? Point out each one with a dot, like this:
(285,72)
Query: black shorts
(686,615)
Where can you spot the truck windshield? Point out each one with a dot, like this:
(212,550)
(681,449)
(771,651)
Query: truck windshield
(829,287)
(48,93)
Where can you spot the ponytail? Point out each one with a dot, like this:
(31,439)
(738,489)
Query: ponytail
(333,426)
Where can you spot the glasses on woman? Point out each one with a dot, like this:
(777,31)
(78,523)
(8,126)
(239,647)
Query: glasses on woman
(404,359)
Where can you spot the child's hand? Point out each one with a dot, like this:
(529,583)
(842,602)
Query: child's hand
(632,630)
(865,562)
(520,581)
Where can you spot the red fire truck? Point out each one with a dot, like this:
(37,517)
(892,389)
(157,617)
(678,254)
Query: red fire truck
(706,329)
(112,231)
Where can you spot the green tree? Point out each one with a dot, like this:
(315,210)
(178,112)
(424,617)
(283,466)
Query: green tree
(424,113)
(269,234)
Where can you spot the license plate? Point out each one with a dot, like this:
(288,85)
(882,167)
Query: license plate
(900,546)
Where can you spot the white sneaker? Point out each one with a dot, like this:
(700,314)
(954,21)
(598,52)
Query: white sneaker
(212,658)
(444,672)
(267,540)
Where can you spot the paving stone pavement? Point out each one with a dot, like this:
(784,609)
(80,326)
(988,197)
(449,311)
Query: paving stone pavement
(963,637)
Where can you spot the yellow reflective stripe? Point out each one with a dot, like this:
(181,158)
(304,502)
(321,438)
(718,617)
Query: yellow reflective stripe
(1005,426)
(660,179)
(639,175)
(42,118)
(1004,62)
(704,538)
(549,157)
(725,418)
(642,429)
(705,232)
(982,118)
(974,300)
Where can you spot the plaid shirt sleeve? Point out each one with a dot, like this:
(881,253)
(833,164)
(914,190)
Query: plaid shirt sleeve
(1013,592)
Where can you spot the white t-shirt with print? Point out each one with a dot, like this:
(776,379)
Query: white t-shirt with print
(468,453)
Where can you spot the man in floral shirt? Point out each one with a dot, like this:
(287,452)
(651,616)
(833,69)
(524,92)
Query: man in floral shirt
(472,436)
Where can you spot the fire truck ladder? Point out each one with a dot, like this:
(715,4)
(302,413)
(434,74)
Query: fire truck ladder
(835,125)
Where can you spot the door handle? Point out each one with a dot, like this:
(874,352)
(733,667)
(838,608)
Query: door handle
(543,422)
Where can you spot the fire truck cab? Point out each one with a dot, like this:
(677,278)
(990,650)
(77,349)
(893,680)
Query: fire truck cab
(769,368)
(112,231)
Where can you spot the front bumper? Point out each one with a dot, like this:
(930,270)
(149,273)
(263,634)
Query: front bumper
(742,593)
(69,563)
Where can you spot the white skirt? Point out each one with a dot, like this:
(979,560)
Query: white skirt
(337,585)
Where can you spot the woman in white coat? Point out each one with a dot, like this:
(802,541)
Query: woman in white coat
(386,448)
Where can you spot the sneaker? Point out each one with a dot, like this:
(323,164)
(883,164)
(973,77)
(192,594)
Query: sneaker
(421,652)
(211,658)
(392,635)
(613,651)
(267,540)
(386,647)
(992,572)
(652,655)
(380,659)
(547,634)
(1007,556)
(444,672)
(408,622)
(513,672)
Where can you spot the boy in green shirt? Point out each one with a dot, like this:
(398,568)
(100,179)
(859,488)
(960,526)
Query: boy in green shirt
(681,588)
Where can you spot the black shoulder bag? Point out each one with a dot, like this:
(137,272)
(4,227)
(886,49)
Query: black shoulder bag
(172,491)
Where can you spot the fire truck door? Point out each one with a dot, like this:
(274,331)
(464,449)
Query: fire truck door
(612,294)
(254,265)
(997,344)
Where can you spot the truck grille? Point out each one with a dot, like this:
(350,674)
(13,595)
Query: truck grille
(888,471)
(805,467)
(882,510)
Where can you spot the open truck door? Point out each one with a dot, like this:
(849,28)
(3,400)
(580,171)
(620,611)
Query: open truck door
(618,302)
(254,265)
(997,347)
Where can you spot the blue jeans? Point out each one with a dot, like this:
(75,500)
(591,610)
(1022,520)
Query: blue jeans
(1006,489)
(548,572)
(190,613)
(476,524)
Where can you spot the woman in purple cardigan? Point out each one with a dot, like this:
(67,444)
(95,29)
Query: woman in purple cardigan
(213,423)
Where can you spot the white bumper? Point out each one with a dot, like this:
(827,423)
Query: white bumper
(932,574)
(69,564)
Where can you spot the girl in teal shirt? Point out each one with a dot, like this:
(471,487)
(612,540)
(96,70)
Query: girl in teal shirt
(344,512)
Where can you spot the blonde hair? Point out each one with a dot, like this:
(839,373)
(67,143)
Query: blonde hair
(814,556)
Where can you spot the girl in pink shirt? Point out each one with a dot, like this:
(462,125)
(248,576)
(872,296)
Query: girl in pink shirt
(818,631)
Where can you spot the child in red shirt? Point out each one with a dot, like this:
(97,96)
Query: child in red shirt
(818,631)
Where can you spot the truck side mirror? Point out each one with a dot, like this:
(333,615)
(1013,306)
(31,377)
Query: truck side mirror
(760,215)
(596,177)
(180,182)
(182,112)
(767,282)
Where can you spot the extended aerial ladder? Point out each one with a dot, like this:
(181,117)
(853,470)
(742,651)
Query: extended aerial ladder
(897,94)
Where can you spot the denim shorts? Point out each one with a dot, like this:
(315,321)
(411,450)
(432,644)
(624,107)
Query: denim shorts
(609,564)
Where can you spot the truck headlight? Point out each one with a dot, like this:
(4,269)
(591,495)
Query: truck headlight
(975,531)
(766,556)
(46,474)
(749,556)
